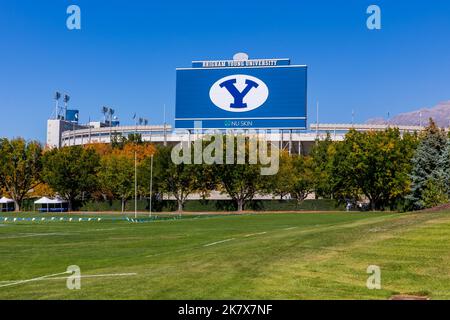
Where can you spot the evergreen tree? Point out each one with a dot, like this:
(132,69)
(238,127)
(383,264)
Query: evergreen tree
(426,166)
(443,173)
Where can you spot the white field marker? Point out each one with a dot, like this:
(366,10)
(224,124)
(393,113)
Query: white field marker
(217,242)
(254,234)
(8,283)
(30,280)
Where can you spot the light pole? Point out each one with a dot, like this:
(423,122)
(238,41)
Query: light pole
(140,121)
(151,184)
(57,97)
(135,184)
(66,99)
(135,169)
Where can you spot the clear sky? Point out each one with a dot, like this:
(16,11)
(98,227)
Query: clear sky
(126,53)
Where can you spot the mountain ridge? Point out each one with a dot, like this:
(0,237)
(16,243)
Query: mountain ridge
(439,113)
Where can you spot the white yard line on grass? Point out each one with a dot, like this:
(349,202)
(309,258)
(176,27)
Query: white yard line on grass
(54,277)
(290,228)
(33,279)
(254,234)
(28,235)
(217,242)
(98,276)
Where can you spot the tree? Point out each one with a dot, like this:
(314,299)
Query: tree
(20,165)
(178,180)
(303,178)
(116,176)
(434,193)
(71,171)
(240,181)
(375,164)
(443,173)
(118,140)
(322,154)
(280,184)
(41,190)
(426,165)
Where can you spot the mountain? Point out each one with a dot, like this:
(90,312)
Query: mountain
(439,113)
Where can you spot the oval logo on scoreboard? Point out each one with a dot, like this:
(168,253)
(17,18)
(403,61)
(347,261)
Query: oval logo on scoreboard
(239,93)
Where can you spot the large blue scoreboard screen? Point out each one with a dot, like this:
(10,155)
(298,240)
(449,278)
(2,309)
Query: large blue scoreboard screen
(239,94)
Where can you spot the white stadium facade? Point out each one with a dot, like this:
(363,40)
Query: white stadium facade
(62,133)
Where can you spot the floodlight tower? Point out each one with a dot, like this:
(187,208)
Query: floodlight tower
(66,101)
(57,97)
(104,111)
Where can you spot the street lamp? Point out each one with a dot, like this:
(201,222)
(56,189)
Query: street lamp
(140,121)
(151,184)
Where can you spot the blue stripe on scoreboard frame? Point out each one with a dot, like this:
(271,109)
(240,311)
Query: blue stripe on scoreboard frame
(242,97)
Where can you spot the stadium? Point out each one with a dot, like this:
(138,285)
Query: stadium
(286,121)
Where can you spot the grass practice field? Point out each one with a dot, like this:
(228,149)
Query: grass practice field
(260,256)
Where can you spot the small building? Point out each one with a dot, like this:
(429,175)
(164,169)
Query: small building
(6,205)
(45,204)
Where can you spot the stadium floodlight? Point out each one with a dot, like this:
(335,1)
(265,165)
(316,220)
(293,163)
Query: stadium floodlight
(66,99)
(105,111)
(145,122)
(57,97)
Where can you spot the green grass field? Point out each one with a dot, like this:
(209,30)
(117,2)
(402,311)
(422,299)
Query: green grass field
(260,256)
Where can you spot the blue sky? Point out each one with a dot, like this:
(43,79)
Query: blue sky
(126,53)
